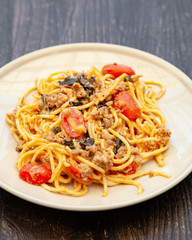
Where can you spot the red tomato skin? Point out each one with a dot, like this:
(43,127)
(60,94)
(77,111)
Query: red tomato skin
(35,174)
(127,105)
(77,117)
(117,69)
(74,171)
(133,168)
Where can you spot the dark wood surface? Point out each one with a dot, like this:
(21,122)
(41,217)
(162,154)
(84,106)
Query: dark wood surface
(161,27)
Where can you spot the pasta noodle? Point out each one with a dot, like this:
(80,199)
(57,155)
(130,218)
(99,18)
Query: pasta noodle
(113,148)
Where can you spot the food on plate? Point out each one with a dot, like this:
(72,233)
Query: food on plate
(89,127)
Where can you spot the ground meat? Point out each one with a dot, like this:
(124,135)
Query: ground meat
(121,152)
(108,122)
(102,160)
(135,150)
(52,100)
(92,149)
(52,137)
(125,132)
(100,113)
(150,145)
(110,143)
(137,154)
(97,82)
(94,154)
(122,88)
(87,153)
(80,152)
(56,100)
(163,133)
(98,158)
(39,104)
(106,135)
(78,90)
(104,114)
(64,89)
(84,170)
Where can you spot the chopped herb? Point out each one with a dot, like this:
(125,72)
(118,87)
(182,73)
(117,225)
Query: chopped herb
(72,146)
(56,130)
(75,103)
(88,142)
(87,84)
(101,104)
(119,143)
(79,78)
(127,78)
(92,79)
(86,135)
(69,143)
(43,97)
(87,96)
(90,90)
(68,81)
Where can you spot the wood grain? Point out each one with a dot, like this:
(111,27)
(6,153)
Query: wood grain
(161,27)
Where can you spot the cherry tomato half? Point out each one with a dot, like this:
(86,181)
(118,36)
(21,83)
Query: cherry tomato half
(127,105)
(35,173)
(73,122)
(117,69)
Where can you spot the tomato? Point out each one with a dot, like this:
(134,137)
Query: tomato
(131,169)
(35,173)
(117,69)
(73,122)
(127,105)
(74,170)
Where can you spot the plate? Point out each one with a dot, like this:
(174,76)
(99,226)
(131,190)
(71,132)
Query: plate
(19,75)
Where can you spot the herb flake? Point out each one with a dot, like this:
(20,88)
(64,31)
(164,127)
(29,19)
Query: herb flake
(56,130)
(127,78)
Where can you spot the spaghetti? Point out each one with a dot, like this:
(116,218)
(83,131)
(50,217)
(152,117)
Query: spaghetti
(79,127)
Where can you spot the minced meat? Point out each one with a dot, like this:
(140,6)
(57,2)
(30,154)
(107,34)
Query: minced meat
(78,90)
(163,134)
(103,114)
(52,137)
(84,170)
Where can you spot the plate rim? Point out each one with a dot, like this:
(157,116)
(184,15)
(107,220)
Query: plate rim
(53,49)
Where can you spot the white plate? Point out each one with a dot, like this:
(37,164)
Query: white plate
(19,75)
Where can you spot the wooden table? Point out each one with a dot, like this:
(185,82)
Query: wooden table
(161,27)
